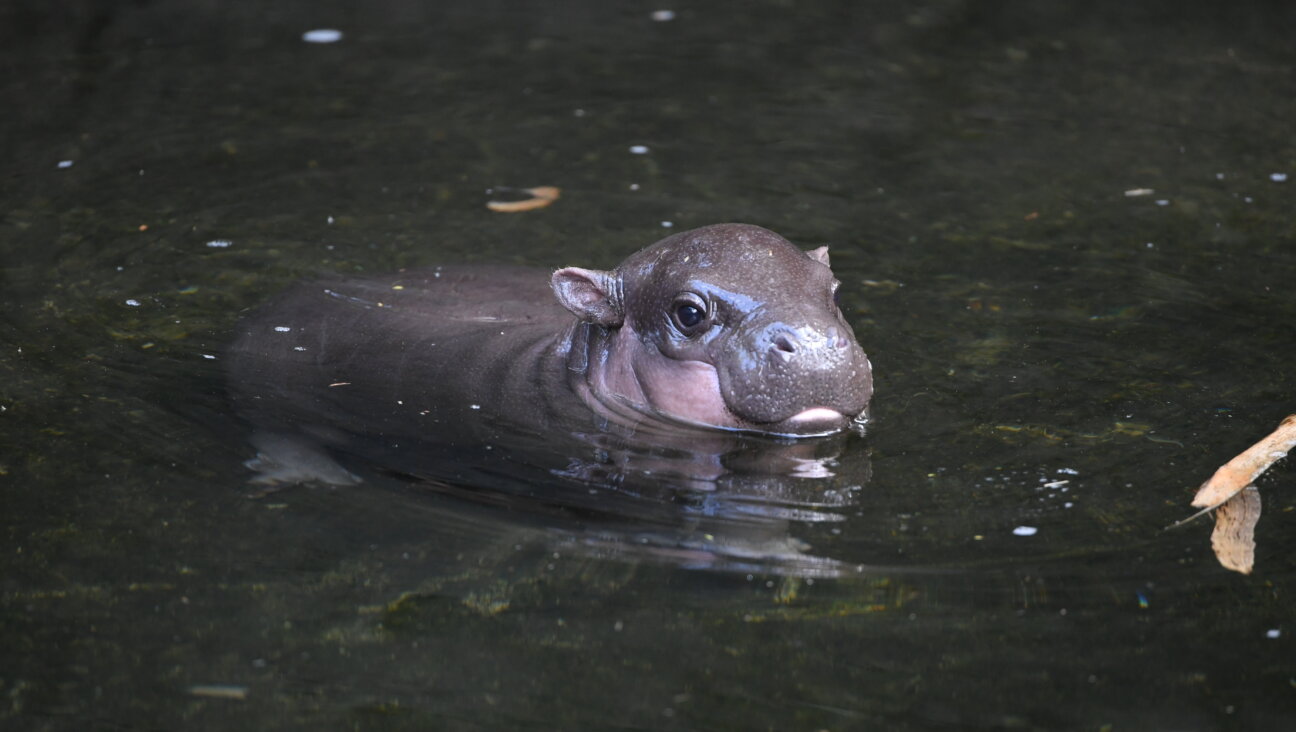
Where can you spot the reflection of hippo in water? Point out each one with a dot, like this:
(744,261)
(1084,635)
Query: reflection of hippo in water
(728,327)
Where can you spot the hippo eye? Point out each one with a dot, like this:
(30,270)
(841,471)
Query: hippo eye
(689,314)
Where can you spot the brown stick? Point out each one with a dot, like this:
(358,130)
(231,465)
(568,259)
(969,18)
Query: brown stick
(1242,470)
(542,196)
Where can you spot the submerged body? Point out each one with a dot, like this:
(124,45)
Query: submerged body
(727,327)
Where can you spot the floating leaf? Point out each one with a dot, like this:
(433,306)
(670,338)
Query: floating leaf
(541,196)
(1234,537)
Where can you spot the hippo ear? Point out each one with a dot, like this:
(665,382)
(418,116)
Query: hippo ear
(819,255)
(592,295)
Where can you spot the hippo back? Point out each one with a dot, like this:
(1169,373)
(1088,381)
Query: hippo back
(429,349)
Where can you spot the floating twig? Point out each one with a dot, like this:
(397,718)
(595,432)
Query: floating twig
(541,196)
(1242,470)
(220,691)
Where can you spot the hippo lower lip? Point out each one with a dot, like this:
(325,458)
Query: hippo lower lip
(810,422)
(817,415)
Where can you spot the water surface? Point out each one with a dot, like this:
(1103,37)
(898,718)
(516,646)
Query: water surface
(1066,239)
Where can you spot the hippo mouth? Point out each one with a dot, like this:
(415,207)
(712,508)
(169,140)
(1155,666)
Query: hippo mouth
(815,416)
(706,405)
(809,423)
(814,422)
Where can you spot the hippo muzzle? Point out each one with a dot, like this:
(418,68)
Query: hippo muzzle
(795,375)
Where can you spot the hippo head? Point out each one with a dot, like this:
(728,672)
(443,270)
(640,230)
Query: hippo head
(729,326)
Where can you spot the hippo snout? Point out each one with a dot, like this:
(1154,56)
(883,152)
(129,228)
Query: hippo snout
(803,376)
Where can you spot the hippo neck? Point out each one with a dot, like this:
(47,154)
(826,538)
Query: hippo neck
(589,348)
(603,372)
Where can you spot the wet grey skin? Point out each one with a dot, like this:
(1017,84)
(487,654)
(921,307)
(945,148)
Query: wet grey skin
(727,327)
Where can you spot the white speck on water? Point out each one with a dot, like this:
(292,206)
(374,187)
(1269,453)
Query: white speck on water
(1278,177)
(1219,176)
(1246,199)
(322,35)
(578,113)
(299,348)
(1068,504)
(474,406)
(1150,245)
(1163,202)
(330,220)
(133,302)
(1025,531)
(209,357)
(1055,484)
(219,243)
(1134,192)
(634,186)
(282,329)
(662,16)
(638,149)
(65,163)
(1273,633)
(667,224)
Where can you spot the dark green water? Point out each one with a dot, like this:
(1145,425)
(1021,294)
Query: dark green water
(968,163)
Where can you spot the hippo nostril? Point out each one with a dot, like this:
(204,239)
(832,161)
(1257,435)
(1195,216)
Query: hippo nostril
(835,339)
(785,344)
